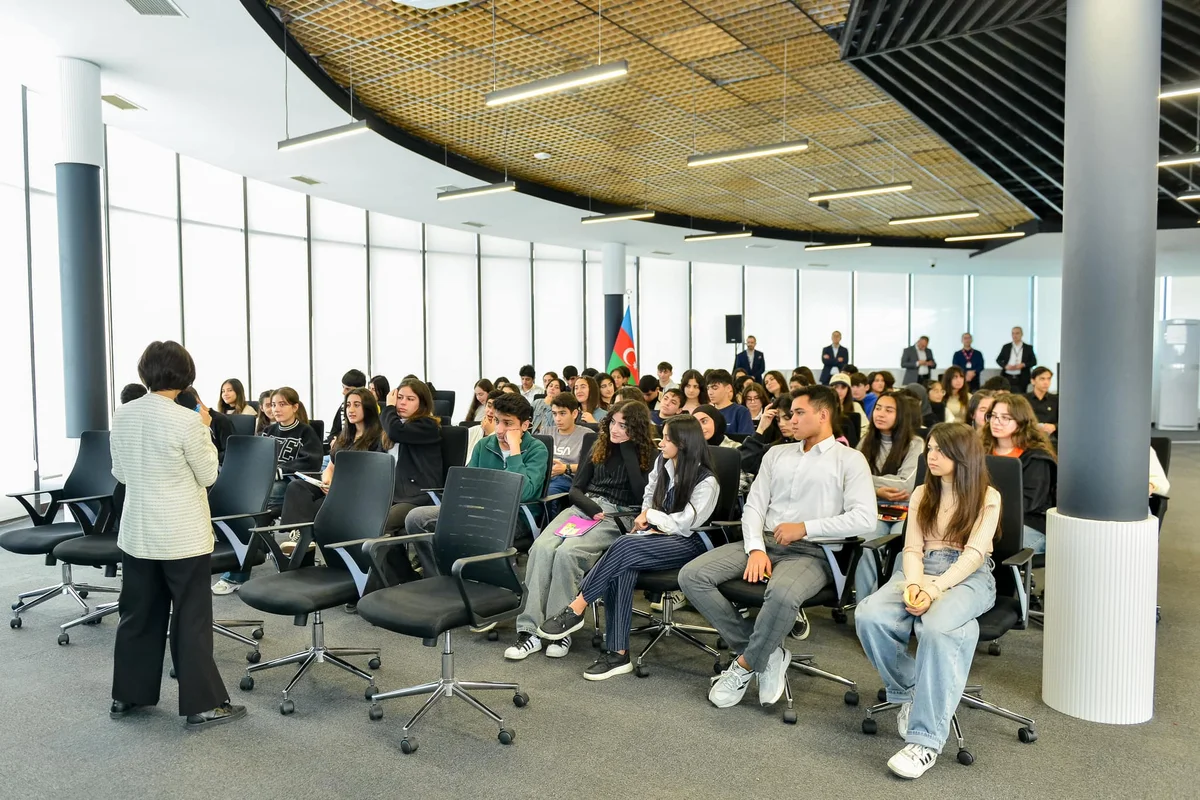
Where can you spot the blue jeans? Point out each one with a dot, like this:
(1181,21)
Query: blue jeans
(866,574)
(947,634)
(1035,539)
(558,484)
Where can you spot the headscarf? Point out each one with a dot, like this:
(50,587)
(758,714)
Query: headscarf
(718,423)
(919,391)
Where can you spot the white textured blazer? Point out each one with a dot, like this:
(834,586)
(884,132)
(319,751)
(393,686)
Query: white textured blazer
(166,458)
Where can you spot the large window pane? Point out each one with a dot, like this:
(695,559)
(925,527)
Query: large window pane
(665,327)
(824,308)
(1047,322)
(771,315)
(507,306)
(16,402)
(275,210)
(397,312)
(339,274)
(452,348)
(939,311)
(557,307)
(44,138)
(279,315)
(386,231)
(880,320)
(594,301)
(55,453)
(997,305)
(337,222)
(716,292)
(12,133)
(214,306)
(141,175)
(210,194)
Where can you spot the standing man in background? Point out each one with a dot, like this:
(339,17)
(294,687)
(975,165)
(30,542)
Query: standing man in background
(969,361)
(1017,359)
(751,360)
(833,358)
(917,361)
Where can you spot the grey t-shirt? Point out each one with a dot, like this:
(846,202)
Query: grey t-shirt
(567,446)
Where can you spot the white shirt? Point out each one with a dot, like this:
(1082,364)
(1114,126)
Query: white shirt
(696,513)
(1014,358)
(921,356)
(533,390)
(829,489)
(671,384)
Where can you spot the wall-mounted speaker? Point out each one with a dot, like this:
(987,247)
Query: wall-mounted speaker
(733,329)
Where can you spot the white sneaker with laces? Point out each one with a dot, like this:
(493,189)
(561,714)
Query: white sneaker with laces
(902,719)
(223,587)
(527,644)
(678,601)
(801,628)
(913,761)
(729,687)
(483,628)
(559,649)
(772,679)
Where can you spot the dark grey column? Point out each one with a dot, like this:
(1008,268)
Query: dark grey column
(81,247)
(614,297)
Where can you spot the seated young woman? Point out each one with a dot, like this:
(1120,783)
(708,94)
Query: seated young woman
(487,423)
(892,448)
(587,392)
(266,413)
(755,399)
(695,390)
(935,393)
(680,495)
(945,583)
(479,396)
(233,399)
(772,430)
(775,384)
(978,408)
(543,417)
(380,388)
(607,385)
(958,396)
(841,383)
(611,479)
(1013,431)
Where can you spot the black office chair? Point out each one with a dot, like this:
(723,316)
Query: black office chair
(87,494)
(737,437)
(851,429)
(469,423)
(318,426)
(453,444)
(477,585)
(1013,572)
(243,424)
(537,512)
(98,550)
(443,403)
(357,506)
(1158,503)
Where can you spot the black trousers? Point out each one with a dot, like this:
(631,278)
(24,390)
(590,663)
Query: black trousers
(149,591)
(301,502)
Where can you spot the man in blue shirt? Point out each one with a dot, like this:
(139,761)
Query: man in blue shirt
(970,361)
(720,394)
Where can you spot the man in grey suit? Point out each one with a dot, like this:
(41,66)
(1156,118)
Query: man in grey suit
(917,361)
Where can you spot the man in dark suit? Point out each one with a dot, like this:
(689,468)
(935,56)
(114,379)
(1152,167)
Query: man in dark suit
(918,361)
(1016,359)
(751,361)
(833,357)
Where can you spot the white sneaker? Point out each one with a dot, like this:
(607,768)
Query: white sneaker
(913,761)
(902,719)
(678,601)
(801,627)
(771,680)
(729,687)
(527,644)
(483,628)
(559,649)
(223,587)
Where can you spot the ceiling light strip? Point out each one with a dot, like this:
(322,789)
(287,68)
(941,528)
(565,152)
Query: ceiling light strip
(847,246)
(1178,159)
(712,237)
(618,216)
(476,191)
(559,83)
(977,236)
(933,217)
(761,151)
(1189,196)
(860,191)
(1179,90)
(359,126)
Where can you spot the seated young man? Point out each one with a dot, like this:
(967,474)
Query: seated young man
(665,371)
(806,492)
(568,441)
(649,386)
(1045,404)
(670,403)
(720,394)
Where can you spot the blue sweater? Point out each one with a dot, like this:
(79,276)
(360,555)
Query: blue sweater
(737,419)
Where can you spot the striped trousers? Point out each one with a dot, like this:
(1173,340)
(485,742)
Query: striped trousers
(615,576)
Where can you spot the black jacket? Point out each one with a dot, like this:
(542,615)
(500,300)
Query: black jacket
(1028,357)
(418,456)
(619,455)
(339,420)
(298,448)
(1039,477)
(753,449)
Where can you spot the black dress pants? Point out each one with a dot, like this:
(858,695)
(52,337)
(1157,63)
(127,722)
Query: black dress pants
(301,502)
(149,590)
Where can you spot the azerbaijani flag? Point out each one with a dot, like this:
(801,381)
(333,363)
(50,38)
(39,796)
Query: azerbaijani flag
(623,352)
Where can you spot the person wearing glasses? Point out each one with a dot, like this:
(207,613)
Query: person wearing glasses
(1013,431)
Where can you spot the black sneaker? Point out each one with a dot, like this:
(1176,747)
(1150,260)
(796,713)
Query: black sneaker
(607,665)
(223,713)
(120,709)
(561,626)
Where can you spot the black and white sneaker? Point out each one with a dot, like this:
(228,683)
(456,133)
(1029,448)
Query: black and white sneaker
(527,644)
(561,625)
(608,665)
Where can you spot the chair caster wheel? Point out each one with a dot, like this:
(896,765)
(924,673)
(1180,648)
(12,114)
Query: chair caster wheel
(371,691)
(17,606)
(870,726)
(850,698)
(722,644)
(520,699)
(839,617)
(641,672)
(246,684)
(257,633)
(965,758)
(1027,735)
(83,593)
(65,639)
(789,716)
(14,623)
(173,673)
(254,656)
(1158,615)
(287,707)
(408,746)
(374,663)
(493,635)
(994,649)
(597,640)
(717,667)
(881,695)
(376,712)
(507,736)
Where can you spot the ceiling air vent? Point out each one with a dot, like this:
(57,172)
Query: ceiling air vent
(117,101)
(156,8)
(305,180)
(475,224)
(428,5)
(760,247)
(660,253)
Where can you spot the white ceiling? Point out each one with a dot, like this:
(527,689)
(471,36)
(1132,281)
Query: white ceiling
(212,87)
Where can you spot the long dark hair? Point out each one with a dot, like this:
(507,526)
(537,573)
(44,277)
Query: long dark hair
(779,380)
(692,374)
(889,380)
(637,425)
(372,434)
(600,401)
(963,394)
(239,399)
(774,432)
(961,445)
(293,399)
(486,385)
(902,435)
(424,398)
(593,398)
(1028,435)
(381,388)
(973,406)
(692,463)
(263,421)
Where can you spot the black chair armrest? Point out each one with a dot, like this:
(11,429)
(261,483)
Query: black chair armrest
(1019,559)
(250,515)
(284,563)
(837,542)
(1021,564)
(621,518)
(550,498)
(291,526)
(456,571)
(91,499)
(374,548)
(32,492)
(884,550)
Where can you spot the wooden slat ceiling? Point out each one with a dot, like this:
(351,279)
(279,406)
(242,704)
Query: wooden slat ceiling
(705,75)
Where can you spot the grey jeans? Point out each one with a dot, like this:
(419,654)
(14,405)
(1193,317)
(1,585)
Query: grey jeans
(557,565)
(798,571)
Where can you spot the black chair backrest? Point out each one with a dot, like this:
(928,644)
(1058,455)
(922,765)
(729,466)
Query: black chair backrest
(443,403)
(318,426)
(242,487)
(727,465)
(479,516)
(243,424)
(92,474)
(850,427)
(737,437)
(357,505)
(454,448)
(446,421)
(1161,446)
(253,404)
(549,442)
(585,449)
(922,468)
(468,423)
(1005,473)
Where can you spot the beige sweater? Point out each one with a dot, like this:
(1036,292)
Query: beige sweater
(918,542)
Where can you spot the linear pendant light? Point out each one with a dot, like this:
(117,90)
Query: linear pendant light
(618,216)
(1180,90)
(1177,159)
(977,236)
(1192,195)
(860,191)
(476,191)
(596,73)
(933,218)
(846,246)
(761,151)
(358,126)
(712,237)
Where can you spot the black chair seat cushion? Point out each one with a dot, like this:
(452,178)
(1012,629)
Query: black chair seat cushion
(96,550)
(39,540)
(661,580)
(299,591)
(428,607)
(999,619)
(741,593)
(224,559)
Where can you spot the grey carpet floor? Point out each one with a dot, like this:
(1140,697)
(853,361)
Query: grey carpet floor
(654,738)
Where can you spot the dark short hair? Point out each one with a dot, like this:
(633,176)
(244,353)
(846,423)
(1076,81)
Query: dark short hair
(131,392)
(166,365)
(494,393)
(665,365)
(590,372)
(858,379)
(565,400)
(187,398)
(631,393)
(648,383)
(819,397)
(675,390)
(527,372)
(355,379)
(997,383)
(569,372)
(1038,371)
(514,405)
(719,376)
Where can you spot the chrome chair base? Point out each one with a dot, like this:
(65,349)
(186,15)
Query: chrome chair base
(665,626)
(68,587)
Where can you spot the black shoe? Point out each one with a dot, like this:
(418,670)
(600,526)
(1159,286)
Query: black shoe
(561,626)
(120,709)
(218,716)
(607,665)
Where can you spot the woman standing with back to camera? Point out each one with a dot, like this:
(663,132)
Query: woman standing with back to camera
(164,455)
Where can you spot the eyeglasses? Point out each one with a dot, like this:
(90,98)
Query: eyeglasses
(1003,419)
